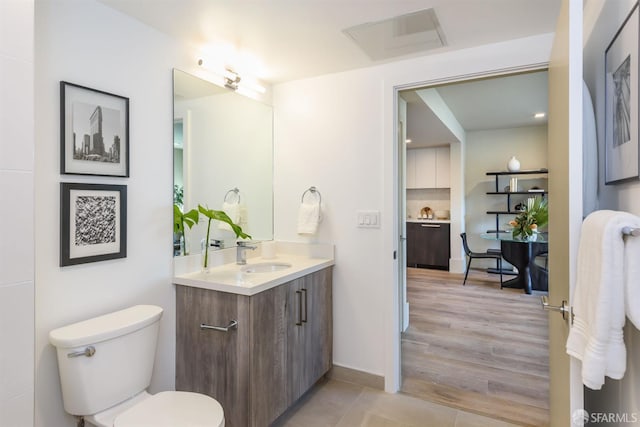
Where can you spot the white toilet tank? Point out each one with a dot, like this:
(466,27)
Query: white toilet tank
(106,360)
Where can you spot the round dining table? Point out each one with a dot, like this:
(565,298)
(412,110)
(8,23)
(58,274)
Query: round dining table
(522,255)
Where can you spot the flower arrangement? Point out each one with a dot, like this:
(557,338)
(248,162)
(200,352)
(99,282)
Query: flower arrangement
(531,218)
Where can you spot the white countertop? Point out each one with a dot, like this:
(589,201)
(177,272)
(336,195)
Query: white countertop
(430,221)
(231,278)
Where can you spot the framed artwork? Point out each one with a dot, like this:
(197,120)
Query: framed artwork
(94,132)
(621,97)
(93,222)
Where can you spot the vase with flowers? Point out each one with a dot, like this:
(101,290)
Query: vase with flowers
(528,222)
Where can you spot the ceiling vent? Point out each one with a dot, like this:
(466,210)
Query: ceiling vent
(403,35)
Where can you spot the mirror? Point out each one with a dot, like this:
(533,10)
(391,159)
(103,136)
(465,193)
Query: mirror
(223,154)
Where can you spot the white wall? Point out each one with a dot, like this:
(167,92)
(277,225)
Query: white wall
(489,151)
(337,132)
(16,199)
(85,42)
(603,19)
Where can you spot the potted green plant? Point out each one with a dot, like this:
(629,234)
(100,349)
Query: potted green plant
(181,219)
(527,223)
(218,216)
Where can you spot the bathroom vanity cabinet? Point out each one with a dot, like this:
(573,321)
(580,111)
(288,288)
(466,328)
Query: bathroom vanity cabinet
(282,345)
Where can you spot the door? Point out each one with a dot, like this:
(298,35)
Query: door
(402,185)
(565,202)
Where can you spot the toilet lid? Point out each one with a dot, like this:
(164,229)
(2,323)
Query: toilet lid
(173,409)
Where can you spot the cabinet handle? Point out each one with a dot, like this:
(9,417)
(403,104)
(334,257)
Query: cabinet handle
(299,322)
(305,305)
(232,325)
(430,225)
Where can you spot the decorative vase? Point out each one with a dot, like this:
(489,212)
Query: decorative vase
(204,258)
(513,165)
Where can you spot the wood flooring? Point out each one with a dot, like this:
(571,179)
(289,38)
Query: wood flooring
(477,347)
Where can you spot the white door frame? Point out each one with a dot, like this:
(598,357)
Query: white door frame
(568,38)
(393,358)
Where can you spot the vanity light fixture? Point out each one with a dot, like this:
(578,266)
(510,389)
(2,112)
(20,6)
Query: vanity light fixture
(407,141)
(539,115)
(232,80)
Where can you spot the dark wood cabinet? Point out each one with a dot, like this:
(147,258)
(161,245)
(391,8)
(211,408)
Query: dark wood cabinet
(428,245)
(280,348)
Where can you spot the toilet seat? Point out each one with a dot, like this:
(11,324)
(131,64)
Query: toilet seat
(173,409)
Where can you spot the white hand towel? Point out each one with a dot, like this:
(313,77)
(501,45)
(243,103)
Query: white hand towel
(308,218)
(233,211)
(632,275)
(598,302)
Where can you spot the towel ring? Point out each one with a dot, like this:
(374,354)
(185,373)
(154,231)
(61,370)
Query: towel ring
(236,192)
(312,190)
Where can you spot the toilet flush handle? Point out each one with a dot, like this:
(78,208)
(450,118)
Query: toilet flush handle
(89,352)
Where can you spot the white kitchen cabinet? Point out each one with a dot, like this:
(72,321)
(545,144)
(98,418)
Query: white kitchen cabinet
(443,159)
(411,169)
(428,168)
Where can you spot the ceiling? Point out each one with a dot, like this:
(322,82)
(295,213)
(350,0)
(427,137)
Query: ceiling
(483,104)
(283,40)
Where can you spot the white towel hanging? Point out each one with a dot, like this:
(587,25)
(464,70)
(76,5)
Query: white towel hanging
(310,212)
(596,337)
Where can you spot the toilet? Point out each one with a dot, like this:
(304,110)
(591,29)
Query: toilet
(105,367)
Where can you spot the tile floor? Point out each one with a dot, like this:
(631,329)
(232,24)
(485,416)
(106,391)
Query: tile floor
(333,403)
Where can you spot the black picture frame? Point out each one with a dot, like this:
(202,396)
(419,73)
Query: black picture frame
(94,132)
(622,153)
(93,222)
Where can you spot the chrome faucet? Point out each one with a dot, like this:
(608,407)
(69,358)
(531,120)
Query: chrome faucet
(241,256)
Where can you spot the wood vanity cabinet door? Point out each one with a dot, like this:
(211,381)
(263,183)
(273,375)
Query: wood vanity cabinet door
(310,346)
(295,339)
(212,362)
(268,351)
(319,327)
(282,346)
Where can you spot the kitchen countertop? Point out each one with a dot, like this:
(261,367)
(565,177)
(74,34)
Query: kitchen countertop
(430,221)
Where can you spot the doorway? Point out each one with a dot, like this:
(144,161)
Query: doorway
(468,346)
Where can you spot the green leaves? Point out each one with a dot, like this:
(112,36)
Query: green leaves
(192,217)
(219,216)
(180,219)
(535,215)
(222,216)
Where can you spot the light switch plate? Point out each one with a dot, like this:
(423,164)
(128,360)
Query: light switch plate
(369,219)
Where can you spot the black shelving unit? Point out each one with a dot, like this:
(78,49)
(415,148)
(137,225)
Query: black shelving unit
(498,192)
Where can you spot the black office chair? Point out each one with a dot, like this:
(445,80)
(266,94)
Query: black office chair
(490,254)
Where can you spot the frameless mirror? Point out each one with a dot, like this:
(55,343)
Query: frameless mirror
(223,156)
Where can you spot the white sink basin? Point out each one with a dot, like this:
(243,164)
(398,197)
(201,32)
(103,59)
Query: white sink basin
(265,267)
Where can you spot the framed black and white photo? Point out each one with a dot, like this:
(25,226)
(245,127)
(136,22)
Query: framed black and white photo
(93,222)
(94,132)
(622,157)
